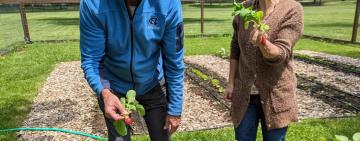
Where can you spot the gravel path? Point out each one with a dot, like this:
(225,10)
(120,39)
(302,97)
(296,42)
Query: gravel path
(66,101)
(334,58)
(201,111)
(310,107)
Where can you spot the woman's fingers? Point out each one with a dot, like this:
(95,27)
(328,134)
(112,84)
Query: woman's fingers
(228,94)
(225,95)
(254,36)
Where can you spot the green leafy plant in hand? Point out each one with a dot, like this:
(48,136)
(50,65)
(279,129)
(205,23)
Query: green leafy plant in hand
(132,105)
(249,15)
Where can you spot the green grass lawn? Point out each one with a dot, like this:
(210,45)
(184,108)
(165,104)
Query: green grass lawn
(63,25)
(308,130)
(10,30)
(214,45)
(333,20)
(23,73)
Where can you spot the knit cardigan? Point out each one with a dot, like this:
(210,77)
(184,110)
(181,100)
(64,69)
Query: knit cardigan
(274,80)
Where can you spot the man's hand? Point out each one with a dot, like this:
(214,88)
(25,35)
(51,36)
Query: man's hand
(172,123)
(228,92)
(113,106)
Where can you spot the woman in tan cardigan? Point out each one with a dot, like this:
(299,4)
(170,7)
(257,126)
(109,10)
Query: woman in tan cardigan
(262,83)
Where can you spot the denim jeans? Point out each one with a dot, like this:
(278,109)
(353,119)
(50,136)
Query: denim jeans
(155,105)
(247,129)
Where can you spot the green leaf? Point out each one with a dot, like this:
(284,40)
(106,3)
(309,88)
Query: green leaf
(237,6)
(263,27)
(140,109)
(266,27)
(235,13)
(322,139)
(120,127)
(200,74)
(246,24)
(341,138)
(249,15)
(259,16)
(131,94)
(356,137)
(127,106)
(123,100)
(250,8)
(215,82)
(221,89)
(131,107)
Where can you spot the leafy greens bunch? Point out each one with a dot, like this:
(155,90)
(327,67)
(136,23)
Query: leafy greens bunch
(132,105)
(249,15)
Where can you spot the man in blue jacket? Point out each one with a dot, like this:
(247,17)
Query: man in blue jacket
(135,44)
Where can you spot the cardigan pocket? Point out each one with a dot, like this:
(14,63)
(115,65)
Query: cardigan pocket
(282,98)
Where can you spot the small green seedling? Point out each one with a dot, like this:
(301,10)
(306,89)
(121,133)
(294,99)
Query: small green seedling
(131,105)
(200,74)
(216,83)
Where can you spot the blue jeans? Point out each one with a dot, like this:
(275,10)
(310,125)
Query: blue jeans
(247,129)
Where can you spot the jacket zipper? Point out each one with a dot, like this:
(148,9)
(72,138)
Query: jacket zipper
(131,17)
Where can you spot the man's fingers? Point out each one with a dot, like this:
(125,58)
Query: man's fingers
(173,128)
(121,108)
(113,115)
(166,124)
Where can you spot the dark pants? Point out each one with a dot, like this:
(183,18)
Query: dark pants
(155,105)
(247,129)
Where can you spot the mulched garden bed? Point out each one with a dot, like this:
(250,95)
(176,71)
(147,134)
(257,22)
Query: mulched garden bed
(66,101)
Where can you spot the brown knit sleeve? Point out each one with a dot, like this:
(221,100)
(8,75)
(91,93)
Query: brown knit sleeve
(290,31)
(234,47)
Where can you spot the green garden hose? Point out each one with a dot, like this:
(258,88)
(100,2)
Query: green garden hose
(56,130)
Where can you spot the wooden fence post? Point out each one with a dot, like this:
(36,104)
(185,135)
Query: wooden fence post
(24,23)
(202,16)
(356,22)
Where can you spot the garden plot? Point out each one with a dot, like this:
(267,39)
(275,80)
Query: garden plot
(307,95)
(66,101)
(340,80)
(333,58)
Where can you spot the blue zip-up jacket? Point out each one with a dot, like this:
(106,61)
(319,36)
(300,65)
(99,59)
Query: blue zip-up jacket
(120,52)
